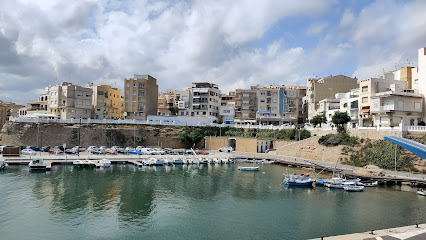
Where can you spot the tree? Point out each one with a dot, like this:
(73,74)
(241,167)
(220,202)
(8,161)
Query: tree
(174,111)
(340,119)
(319,119)
(190,138)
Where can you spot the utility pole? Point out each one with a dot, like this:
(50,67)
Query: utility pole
(38,134)
(79,131)
(134,135)
(395,155)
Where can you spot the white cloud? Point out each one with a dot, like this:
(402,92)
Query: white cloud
(316,28)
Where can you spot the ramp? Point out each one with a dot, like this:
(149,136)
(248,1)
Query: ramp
(412,146)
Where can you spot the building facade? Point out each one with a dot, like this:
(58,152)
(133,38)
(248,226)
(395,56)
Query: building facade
(246,106)
(140,97)
(68,101)
(106,102)
(322,88)
(206,99)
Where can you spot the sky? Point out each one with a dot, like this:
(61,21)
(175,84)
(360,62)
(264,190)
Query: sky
(232,43)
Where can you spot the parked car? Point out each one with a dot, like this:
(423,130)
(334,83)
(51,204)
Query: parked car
(103,148)
(37,149)
(56,151)
(226,149)
(118,149)
(134,151)
(80,148)
(202,152)
(97,151)
(45,149)
(157,151)
(91,147)
(110,151)
(73,150)
(28,151)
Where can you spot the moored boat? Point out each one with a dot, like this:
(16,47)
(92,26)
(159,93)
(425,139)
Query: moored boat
(3,165)
(248,168)
(105,163)
(369,184)
(299,180)
(37,163)
(352,187)
(83,163)
(177,161)
(421,192)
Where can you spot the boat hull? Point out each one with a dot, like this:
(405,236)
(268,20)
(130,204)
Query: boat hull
(248,168)
(298,184)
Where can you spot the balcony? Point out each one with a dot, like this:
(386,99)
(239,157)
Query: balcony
(386,108)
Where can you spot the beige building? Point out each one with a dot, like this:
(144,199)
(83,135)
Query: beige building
(246,106)
(295,95)
(390,99)
(106,102)
(322,88)
(140,97)
(68,101)
(39,108)
(227,108)
(167,103)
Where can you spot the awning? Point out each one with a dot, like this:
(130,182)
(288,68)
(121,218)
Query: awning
(267,112)
(364,110)
(200,90)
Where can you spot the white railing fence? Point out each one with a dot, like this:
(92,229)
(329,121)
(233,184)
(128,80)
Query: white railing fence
(401,127)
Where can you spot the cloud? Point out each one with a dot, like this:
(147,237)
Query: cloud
(316,28)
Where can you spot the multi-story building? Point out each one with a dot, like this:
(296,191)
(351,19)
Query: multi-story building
(106,102)
(390,99)
(140,97)
(246,106)
(322,88)
(418,75)
(295,96)
(271,105)
(328,107)
(167,103)
(227,108)
(205,100)
(349,104)
(68,101)
(39,108)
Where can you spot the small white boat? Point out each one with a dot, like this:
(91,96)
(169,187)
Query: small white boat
(157,162)
(37,163)
(3,165)
(105,163)
(352,187)
(83,163)
(224,160)
(368,184)
(421,192)
(168,161)
(302,180)
(203,160)
(248,168)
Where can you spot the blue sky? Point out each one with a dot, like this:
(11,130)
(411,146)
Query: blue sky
(234,44)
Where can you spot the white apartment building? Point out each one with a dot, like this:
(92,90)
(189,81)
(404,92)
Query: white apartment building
(205,100)
(68,101)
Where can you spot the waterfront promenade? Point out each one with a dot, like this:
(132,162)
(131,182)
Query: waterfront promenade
(412,232)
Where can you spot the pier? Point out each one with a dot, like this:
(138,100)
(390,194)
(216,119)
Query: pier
(412,232)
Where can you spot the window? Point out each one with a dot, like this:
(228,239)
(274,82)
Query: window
(127,85)
(100,92)
(364,89)
(364,99)
(127,92)
(142,85)
(400,104)
(100,101)
(417,105)
(376,105)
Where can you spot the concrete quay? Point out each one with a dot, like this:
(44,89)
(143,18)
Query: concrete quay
(412,232)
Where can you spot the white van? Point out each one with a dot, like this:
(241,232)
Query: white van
(225,149)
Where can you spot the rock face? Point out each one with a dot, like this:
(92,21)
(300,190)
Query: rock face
(24,134)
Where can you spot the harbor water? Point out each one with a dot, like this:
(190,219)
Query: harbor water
(191,202)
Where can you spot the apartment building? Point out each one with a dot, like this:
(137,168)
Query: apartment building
(39,108)
(206,99)
(166,104)
(69,101)
(389,100)
(322,88)
(140,97)
(106,102)
(271,104)
(328,107)
(227,108)
(246,106)
(295,96)
(349,103)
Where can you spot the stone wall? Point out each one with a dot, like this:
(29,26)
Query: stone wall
(311,149)
(24,134)
(214,143)
(374,134)
(246,145)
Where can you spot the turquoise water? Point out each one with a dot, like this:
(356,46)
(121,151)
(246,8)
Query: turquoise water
(190,202)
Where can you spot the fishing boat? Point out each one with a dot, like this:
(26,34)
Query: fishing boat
(352,187)
(203,161)
(248,168)
(157,162)
(3,165)
(105,163)
(37,163)
(421,192)
(168,161)
(334,183)
(299,180)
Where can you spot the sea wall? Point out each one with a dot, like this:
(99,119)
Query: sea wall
(24,134)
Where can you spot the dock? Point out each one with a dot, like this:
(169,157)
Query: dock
(390,177)
(412,232)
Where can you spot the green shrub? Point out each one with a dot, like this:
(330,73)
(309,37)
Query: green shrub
(341,138)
